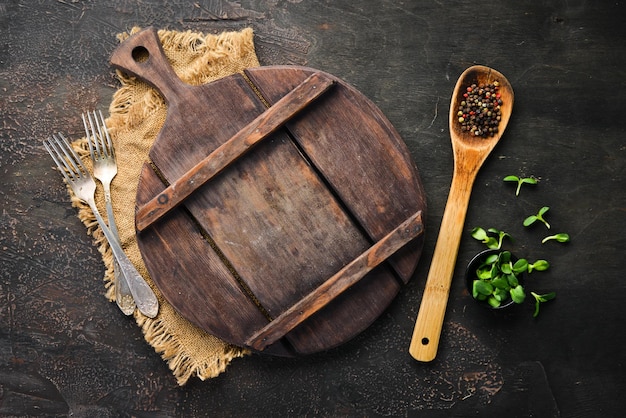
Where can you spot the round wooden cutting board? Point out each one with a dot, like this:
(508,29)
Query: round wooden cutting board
(300,240)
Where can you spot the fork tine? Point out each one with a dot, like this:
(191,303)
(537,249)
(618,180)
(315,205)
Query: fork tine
(103,134)
(97,133)
(58,159)
(109,142)
(60,145)
(71,161)
(78,167)
(90,141)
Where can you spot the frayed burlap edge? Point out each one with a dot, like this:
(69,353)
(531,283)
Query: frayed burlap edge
(137,113)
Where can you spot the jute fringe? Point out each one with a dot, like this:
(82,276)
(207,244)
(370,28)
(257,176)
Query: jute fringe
(137,113)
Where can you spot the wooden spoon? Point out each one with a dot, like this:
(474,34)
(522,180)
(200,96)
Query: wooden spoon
(469,154)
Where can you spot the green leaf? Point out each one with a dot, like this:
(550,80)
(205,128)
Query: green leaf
(511,178)
(543,210)
(545,297)
(491,259)
(492,243)
(530,220)
(495,271)
(483,272)
(520,265)
(506,268)
(517,294)
(481,287)
(529,180)
(548,296)
(539,265)
(493,302)
(479,234)
(505,257)
(512,279)
(562,237)
(500,283)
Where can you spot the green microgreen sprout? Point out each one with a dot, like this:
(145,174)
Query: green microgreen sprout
(497,280)
(497,277)
(538,217)
(481,235)
(540,299)
(520,181)
(562,237)
(539,265)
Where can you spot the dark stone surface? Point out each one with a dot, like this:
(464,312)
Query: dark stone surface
(64,350)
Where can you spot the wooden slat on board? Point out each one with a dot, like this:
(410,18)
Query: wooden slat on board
(369,166)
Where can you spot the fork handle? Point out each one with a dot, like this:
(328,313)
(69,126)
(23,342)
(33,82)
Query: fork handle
(145,298)
(111,218)
(123,295)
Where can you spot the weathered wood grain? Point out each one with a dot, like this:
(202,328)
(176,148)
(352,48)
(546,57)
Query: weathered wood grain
(278,226)
(345,278)
(227,153)
(381,188)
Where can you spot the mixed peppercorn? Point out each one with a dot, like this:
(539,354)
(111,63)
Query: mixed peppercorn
(479,111)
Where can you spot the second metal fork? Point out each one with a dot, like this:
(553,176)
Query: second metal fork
(105,169)
(78,178)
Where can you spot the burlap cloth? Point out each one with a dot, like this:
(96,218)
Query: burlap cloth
(137,113)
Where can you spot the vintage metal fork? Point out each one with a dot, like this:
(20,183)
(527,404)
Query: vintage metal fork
(84,187)
(105,169)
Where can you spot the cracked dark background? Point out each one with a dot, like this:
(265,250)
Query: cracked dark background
(66,351)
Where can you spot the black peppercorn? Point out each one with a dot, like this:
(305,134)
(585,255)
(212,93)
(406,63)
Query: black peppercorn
(479,111)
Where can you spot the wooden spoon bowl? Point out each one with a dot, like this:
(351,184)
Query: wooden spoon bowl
(470,152)
(465,140)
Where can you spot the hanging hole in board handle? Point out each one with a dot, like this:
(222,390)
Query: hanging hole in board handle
(140,54)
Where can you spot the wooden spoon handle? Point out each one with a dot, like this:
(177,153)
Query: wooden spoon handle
(432,310)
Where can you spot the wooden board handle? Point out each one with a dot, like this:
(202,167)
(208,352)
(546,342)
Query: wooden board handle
(338,283)
(142,55)
(261,127)
(427,332)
